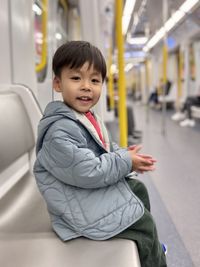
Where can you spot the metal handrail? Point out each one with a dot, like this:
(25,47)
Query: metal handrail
(64,5)
(110,81)
(39,67)
(121,81)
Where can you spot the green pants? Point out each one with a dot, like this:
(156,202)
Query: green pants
(144,232)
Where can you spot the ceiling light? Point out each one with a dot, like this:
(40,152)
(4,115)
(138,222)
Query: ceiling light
(173,20)
(127,13)
(113,69)
(129,6)
(125,23)
(171,23)
(37,9)
(188,5)
(58,36)
(135,19)
(139,54)
(137,40)
(156,38)
(128,67)
(178,15)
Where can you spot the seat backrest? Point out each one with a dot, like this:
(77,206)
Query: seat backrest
(19,195)
(195,112)
(167,87)
(16,135)
(19,117)
(171,96)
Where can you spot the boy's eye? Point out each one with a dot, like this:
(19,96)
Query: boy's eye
(95,81)
(76,78)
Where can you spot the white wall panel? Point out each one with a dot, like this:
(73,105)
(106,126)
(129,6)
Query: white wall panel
(22,38)
(186,81)
(172,68)
(197,66)
(156,70)
(74,27)
(5,62)
(143,84)
(92,31)
(45,93)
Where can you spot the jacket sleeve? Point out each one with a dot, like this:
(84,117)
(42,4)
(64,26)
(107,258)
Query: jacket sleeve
(63,157)
(115,147)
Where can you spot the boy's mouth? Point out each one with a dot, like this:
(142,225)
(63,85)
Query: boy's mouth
(84,98)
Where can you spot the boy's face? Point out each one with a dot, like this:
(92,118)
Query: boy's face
(80,88)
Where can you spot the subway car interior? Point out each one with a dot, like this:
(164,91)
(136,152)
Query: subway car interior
(151,96)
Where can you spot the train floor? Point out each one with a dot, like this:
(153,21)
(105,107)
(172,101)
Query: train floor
(174,186)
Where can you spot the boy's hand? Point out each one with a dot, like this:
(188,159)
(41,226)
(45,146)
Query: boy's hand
(141,162)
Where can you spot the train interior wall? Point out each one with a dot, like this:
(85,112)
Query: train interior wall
(174,187)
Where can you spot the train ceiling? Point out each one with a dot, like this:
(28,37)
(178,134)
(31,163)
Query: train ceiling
(152,14)
(147,18)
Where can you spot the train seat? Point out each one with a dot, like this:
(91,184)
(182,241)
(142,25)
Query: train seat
(195,112)
(170,97)
(26,237)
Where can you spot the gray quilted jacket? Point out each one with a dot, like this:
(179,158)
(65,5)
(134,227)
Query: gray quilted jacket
(83,183)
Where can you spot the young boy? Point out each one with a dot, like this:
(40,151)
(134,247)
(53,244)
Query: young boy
(84,178)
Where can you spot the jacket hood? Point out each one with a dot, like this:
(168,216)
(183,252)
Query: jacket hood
(54,111)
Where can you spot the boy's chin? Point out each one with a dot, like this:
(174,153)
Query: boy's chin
(81,110)
(78,109)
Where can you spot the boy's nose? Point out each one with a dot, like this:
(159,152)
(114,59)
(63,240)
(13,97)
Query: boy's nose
(86,86)
(85,89)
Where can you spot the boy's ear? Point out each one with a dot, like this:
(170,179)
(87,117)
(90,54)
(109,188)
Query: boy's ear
(56,84)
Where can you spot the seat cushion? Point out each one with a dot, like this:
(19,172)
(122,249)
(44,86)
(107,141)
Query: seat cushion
(48,251)
(23,210)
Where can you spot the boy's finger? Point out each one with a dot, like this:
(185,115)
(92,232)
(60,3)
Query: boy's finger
(146,162)
(146,168)
(147,157)
(131,147)
(137,148)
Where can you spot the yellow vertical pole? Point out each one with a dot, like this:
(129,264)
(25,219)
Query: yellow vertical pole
(147,88)
(165,52)
(147,76)
(179,82)
(121,80)
(43,61)
(165,57)
(146,72)
(164,105)
(110,80)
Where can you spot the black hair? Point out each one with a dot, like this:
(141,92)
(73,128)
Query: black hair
(74,54)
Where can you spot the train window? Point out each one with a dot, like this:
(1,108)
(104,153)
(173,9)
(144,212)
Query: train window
(58,13)
(61,27)
(40,37)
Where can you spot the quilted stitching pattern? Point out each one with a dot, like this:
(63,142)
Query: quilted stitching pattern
(84,187)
